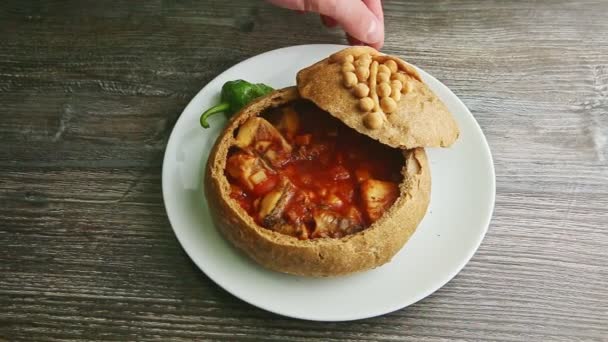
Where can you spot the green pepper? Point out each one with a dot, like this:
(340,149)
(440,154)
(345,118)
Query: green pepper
(235,95)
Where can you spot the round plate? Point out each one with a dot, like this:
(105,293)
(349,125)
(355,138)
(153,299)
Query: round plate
(462,201)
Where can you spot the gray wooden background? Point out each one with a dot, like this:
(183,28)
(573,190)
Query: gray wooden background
(90,90)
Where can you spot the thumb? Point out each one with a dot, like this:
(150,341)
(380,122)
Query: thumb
(353,15)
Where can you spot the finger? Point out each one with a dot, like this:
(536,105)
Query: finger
(329,21)
(376,7)
(354,16)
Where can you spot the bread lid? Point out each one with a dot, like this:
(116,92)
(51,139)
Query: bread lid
(380,96)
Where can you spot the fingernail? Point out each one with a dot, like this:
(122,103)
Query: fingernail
(373,32)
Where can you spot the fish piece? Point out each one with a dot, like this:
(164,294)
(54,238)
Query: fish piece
(331,224)
(297,230)
(260,136)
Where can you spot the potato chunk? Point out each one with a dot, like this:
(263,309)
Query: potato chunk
(246,168)
(259,133)
(377,197)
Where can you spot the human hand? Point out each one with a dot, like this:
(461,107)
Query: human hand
(362,20)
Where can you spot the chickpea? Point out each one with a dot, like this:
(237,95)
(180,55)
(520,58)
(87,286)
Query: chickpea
(361,64)
(363,61)
(396,94)
(396,84)
(383,77)
(391,65)
(373,120)
(361,90)
(384,89)
(362,73)
(366,57)
(399,77)
(346,67)
(383,69)
(388,105)
(350,79)
(366,104)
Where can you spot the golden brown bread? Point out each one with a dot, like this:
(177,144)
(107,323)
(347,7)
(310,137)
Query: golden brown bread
(367,249)
(419,120)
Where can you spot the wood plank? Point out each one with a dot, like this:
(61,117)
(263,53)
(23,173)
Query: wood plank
(89,92)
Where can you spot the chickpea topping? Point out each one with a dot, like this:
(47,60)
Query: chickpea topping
(347,66)
(388,105)
(391,65)
(366,104)
(377,86)
(373,120)
(350,79)
(373,73)
(384,77)
(361,90)
(384,89)
(362,73)
(396,94)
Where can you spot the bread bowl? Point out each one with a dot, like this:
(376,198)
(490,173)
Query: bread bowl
(332,235)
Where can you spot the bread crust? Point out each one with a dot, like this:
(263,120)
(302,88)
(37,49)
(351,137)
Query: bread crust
(321,257)
(421,119)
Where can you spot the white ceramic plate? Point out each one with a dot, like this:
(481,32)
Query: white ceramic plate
(462,201)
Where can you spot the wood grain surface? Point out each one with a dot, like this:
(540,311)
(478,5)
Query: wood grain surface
(90,90)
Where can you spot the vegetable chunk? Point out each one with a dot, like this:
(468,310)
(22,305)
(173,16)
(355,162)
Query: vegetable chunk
(377,197)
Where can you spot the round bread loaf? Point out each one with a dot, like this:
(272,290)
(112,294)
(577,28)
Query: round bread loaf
(320,257)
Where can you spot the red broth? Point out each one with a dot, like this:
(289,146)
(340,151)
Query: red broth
(325,170)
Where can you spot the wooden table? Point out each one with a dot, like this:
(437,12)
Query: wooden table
(90,90)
